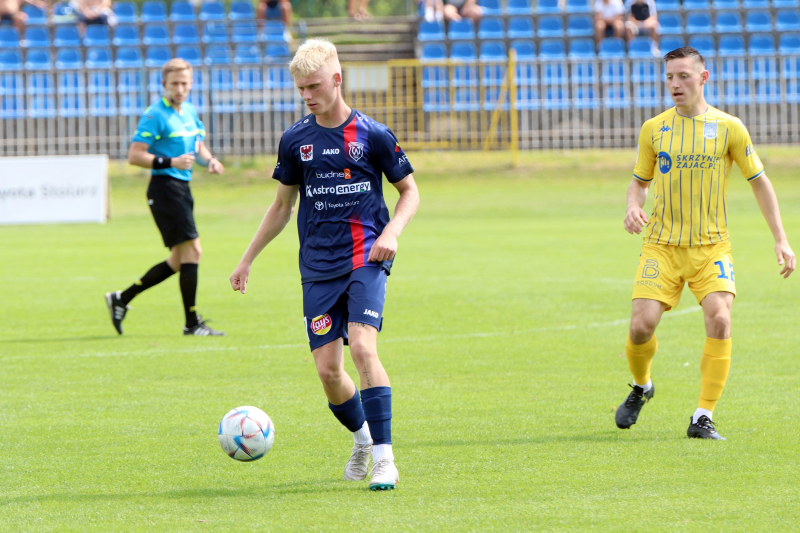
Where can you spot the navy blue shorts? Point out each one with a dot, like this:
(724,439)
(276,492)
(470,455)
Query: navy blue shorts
(355,297)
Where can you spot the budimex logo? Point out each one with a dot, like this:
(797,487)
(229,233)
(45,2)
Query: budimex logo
(664,162)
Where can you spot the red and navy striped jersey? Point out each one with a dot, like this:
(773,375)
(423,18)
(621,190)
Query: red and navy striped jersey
(342,210)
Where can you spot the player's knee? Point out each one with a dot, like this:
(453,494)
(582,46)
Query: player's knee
(641,330)
(362,352)
(719,325)
(330,375)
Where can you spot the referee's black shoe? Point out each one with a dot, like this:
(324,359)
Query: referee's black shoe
(116,309)
(703,429)
(201,329)
(628,412)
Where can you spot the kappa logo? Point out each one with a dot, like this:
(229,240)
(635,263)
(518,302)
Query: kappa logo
(665,129)
(321,324)
(307,152)
(371,313)
(330,151)
(356,150)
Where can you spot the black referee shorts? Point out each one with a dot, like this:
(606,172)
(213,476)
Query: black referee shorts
(172,204)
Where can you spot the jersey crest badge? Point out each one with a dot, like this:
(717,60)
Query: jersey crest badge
(307,152)
(356,150)
(710,130)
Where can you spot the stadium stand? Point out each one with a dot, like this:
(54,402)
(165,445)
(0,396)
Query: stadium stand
(181,11)
(126,12)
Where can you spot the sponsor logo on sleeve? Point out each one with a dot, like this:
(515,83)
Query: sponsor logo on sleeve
(402,160)
(370,312)
(397,147)
(664,162)
(749,150)
(307,152)
(356,150)
(321,324)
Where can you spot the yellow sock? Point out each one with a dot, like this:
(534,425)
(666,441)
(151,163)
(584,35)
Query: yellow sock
(639,358)
(714,368)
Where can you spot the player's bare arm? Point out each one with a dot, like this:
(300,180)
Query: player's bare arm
(385,246)
(635,217)
(768,203)
(276,219)
(205,158)
(139,156)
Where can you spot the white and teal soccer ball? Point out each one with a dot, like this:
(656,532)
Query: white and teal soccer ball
(246,433)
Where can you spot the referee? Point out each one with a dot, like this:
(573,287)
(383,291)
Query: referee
(168,140)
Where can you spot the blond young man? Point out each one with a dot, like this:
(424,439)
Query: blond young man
(334,158)
(169,140)
(686,154)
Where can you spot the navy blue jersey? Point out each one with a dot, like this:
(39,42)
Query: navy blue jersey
(342,211)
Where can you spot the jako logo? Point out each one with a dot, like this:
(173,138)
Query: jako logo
(664,162)
(371,313)
(330,151)
(307,152)
(321,324)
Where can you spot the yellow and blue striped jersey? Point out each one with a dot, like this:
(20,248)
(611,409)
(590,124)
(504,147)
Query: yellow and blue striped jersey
(688,161)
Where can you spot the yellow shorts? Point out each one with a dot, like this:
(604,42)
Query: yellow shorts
(664,269)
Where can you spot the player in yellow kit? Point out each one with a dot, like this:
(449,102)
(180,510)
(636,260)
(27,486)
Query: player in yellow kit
(685,155)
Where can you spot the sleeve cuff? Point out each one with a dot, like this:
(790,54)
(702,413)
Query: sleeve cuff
(642,179)
(756,176)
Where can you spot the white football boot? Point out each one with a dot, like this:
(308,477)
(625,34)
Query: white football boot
(384,475)
(358,465)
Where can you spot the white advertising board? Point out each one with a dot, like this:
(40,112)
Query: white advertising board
(52,189)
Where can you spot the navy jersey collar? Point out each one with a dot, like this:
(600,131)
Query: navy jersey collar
(340,126)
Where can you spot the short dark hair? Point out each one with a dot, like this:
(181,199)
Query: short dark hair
(684,51)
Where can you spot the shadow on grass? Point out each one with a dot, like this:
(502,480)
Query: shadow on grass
(617,436)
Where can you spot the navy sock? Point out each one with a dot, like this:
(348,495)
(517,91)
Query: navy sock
(153,277)
(350,413)
(188,283)
(377,402)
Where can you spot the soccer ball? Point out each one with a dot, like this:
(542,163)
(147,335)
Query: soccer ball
(246,433)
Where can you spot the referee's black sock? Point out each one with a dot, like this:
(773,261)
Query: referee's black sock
(189,292)
(154,276)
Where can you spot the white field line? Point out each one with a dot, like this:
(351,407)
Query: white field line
(568,327)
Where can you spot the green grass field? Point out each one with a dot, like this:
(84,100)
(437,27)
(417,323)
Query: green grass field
(504,330)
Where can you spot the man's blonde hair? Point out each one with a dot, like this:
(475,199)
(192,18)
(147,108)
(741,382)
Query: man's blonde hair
(313,55)
(174,65)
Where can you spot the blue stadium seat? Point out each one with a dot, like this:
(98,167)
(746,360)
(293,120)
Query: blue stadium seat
(98,58)
(465,74)
(787,20)
(63,13)
(793,91)
(642,47)
(493,51)
(698,23)
(241,10)
(578,6)
(547,7)
(646,71)
(41,106)
(10,60)
(463,29)
(492,97)
(528,98)
(789,43)
(737,93)
(218,55)
(277,53)
(246,54)
(431,31)
(671,43)
(35,36)
(156,35)
(126,35)
(433,52)
(154,11)
(785,3)
(584,97)
(711,94)
(756,4)
(70,81)
(126,12)
(761,44)
(731,46)
(436,100)
(490,7)
(185,33)
(9,37)
(215,32)
(724,4)
(182,11)
(758,21)
(614,72)
(156,56)
(612,47)
(103,105)
(12,106)
(491,28)
(557,98)
(274,32)
(244,32)
(699,5)
(520,28)
(212,10)
(36,16)
(728,22)
(463,52)
(734,69)
(130,104)
(69,59)
(550,27)
(128,57)
(552,49)
(580,26)
(525,50)
(647,95)
(703,44)
(66,35)
(519,7)
(581,49)
(616,97)
(764,67)
(279,78)
(96,35)
(72,104)
(664,6)
(100,81)
(768,92)
(38,59)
